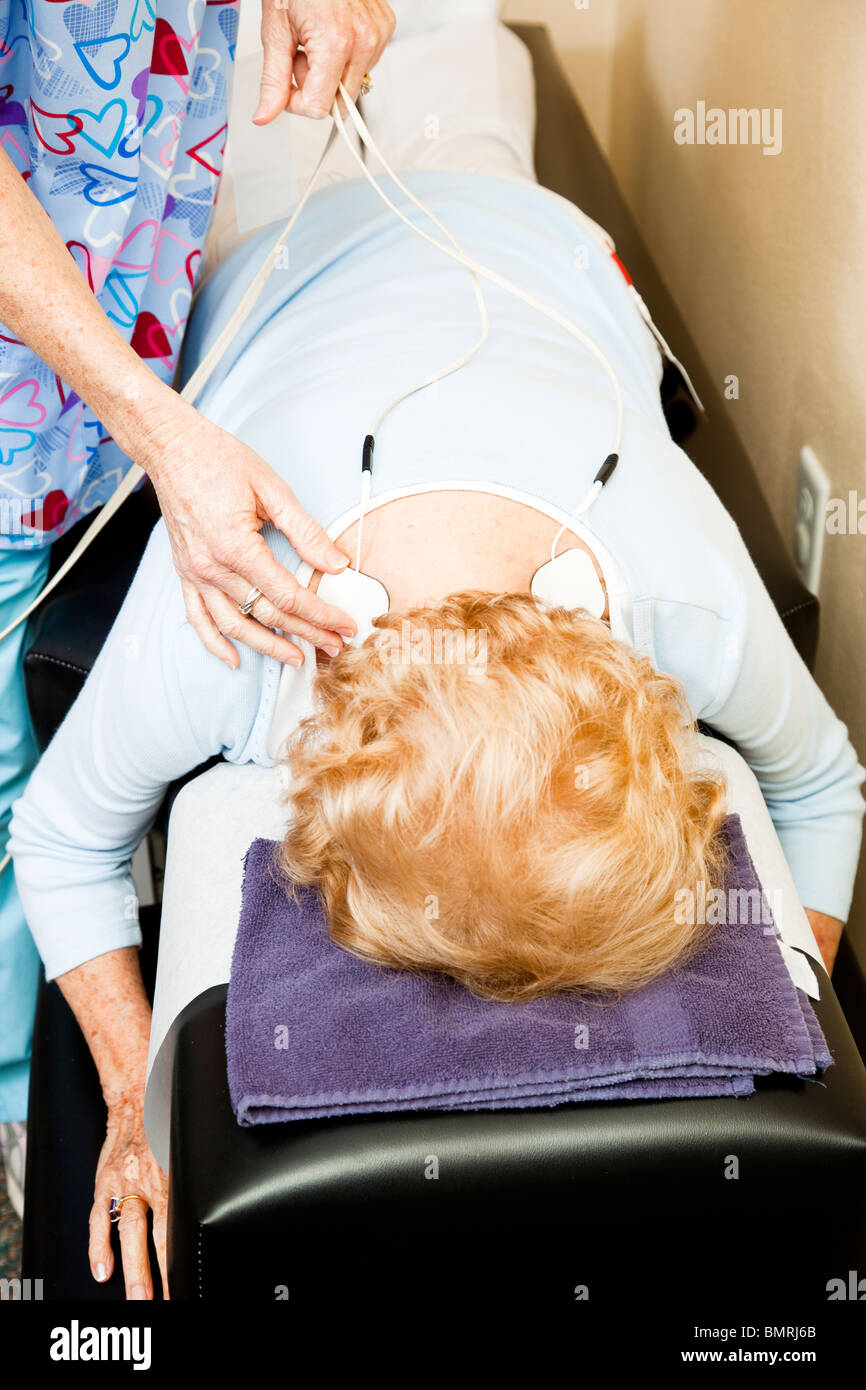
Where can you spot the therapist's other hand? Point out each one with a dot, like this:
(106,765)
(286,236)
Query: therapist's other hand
(341,40)
(126,1165)
(828,933)
(215,495)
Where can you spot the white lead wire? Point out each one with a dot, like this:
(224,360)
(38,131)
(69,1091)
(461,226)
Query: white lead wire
(454,366)
(459,255)
(475,268)
(366,480)
(484,315)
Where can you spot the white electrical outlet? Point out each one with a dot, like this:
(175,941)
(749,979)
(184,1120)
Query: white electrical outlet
(813,494)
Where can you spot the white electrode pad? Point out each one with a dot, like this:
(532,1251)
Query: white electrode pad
(359,595)
(570,581)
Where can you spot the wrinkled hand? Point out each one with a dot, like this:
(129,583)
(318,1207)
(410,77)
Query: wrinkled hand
(216,494)
(126,1165)
(341,40)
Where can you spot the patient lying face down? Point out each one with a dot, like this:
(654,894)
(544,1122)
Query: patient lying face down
(496,790)
(521,818)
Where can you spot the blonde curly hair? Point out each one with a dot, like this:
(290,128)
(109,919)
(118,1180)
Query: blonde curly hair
(520,819)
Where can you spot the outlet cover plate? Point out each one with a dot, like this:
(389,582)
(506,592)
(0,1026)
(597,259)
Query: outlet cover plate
(813,494)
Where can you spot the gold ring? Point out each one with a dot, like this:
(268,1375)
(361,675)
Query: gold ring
(366,84)
(115,1205)
(250,601)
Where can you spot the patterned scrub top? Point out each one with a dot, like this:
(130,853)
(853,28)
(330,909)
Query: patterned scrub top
(115,113)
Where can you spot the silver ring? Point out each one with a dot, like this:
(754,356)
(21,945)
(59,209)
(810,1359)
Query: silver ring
(250,601)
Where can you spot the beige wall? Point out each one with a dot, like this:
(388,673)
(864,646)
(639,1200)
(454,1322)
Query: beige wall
(766,256)
(586,41)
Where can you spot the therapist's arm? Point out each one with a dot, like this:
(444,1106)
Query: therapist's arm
(215,493)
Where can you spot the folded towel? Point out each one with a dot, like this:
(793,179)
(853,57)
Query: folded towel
(311,1031)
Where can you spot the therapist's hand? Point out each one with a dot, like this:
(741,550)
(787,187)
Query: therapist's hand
(216,494)
(341,40)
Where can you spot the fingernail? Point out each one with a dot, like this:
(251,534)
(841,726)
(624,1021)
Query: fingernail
(100,1274)
(336,558)
(296,660)
(138,1291)
(260,111)
(346,632)
(332,649)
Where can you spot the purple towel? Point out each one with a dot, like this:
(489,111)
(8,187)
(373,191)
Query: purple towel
(312,1031)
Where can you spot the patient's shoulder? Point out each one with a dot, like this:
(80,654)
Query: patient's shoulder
(153,644)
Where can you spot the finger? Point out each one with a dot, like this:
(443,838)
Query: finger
(206,629)
(389,24)
(364,53)
(327,61)
(277,503)
(160,1228)
(99,1251)
(307,610)
(386,24)
(133,1249)
(240,628)
(300,69)
(259,566)
(279,54)
(266,613)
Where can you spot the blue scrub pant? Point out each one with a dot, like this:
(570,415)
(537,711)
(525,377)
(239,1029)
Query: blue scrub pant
(22,574)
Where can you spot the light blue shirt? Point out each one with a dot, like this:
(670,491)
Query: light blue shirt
(363,309)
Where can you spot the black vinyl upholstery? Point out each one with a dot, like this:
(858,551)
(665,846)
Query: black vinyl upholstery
(68,630)
(527,1204)
(532,1200)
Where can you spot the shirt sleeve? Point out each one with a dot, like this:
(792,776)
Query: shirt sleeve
(155,706)
(773,710)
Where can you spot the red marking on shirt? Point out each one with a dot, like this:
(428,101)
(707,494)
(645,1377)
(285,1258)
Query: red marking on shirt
(149,338)
(66,137)
(615,257)
(167,59)
(50,514)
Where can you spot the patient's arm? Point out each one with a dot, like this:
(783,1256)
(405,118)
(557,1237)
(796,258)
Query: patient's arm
(828,933)
(773,710)
(155,706)
(108,999)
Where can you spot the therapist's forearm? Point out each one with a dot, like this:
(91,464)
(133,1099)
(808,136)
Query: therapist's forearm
(828,933)
(107,996)
(46,302)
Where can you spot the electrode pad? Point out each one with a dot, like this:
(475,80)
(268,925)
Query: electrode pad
(359,595)
(570,581)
